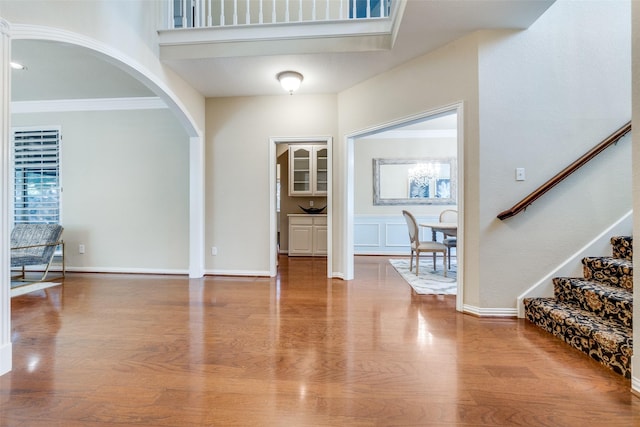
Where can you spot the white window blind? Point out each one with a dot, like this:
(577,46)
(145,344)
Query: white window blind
(36,161)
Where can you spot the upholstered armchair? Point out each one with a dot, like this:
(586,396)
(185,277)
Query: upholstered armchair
(33,245)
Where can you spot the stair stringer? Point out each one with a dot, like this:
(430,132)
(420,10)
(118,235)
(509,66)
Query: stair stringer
(572,266)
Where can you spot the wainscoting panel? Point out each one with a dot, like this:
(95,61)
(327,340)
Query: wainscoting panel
(367,234)
(385,234)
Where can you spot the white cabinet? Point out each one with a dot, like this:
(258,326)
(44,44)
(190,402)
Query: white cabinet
(307,235)
(308,173)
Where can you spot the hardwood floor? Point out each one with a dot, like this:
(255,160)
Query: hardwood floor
(296,350)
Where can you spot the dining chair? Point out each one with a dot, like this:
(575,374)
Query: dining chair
(418,246)
(450,240)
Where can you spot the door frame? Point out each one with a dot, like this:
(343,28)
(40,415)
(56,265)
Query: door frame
(273,229)
(349,197)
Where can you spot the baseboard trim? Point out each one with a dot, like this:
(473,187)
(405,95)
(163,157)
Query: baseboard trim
(248,273)
(489,312)
(124,270)
(6,354)
(31,287)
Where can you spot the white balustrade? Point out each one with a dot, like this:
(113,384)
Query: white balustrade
(218,13)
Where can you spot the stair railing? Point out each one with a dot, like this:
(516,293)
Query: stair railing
(536,194)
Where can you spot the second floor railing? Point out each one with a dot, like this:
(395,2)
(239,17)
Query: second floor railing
(220,13)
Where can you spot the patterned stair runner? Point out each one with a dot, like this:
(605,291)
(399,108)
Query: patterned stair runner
(594,313)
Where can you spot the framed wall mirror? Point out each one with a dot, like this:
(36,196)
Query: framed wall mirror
(425,181)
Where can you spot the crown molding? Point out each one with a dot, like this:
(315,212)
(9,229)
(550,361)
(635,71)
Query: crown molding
(94,104)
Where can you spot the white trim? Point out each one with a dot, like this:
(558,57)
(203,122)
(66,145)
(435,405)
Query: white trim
(459,107)
(196,207)
(273,216)
(6,197)
(247,273)
(32,287)
(490,312)
(126,270)
(600,245)
(6,358)
(94,104)
(635,381)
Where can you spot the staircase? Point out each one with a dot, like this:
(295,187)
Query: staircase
(594,313)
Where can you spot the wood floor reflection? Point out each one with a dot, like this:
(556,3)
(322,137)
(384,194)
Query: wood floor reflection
(296,350)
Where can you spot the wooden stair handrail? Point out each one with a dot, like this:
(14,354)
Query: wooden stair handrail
(524,203)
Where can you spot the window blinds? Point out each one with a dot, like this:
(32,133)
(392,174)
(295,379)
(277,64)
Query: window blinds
(37,175)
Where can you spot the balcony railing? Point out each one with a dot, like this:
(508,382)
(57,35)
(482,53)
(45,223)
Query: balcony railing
(220,13)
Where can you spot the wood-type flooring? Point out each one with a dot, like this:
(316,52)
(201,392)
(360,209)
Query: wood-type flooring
(296,350)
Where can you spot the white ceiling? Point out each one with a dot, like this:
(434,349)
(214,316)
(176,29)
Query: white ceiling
(61,71)
(425,26)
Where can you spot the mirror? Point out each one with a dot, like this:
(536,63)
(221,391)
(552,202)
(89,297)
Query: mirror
(430,181)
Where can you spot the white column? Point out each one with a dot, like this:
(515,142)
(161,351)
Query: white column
(5,201)
(196,207)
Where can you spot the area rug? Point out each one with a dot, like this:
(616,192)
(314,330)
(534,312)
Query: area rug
(21,288)
(428,282)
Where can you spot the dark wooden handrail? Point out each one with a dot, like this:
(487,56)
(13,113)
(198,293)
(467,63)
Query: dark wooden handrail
(524,203)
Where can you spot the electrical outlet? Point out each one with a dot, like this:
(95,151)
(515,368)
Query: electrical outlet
(520,174)
(81,248)
(214,251)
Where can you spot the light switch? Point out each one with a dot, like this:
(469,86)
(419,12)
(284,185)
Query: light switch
(519,174)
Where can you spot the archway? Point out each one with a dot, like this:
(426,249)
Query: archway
(140,73)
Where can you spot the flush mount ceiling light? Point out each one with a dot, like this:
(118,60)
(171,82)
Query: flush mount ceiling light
(290,80)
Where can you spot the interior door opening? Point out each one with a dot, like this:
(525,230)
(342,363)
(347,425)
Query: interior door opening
(300,182)
(374,221)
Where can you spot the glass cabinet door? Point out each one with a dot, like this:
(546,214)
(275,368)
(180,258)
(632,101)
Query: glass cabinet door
(308,170)
(320,170)
(300,167)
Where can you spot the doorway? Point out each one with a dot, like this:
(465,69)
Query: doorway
(278,211)
(354,201)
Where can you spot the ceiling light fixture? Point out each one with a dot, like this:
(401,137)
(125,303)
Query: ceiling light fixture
(17,66)
(290,80)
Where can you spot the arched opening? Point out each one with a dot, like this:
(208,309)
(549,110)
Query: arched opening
(127,83)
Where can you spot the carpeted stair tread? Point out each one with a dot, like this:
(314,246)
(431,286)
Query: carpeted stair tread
(594,313)
(609,302)
(610,270)
(604,340)
(622,247)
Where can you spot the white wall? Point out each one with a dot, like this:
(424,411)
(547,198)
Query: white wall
(548,95)
(125,189)
(237,176)
(441,78)
(537,99)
